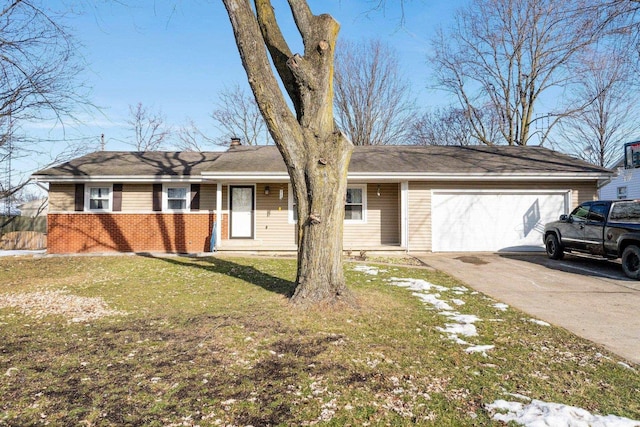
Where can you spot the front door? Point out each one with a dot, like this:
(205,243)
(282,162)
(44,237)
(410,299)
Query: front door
(241,207)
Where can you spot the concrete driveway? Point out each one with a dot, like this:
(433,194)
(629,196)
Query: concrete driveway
(591,298)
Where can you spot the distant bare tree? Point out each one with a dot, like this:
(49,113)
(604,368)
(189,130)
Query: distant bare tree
(237,115)
(191,138)
(373,103)
(443,126)
(148,127)
(597,133)
(505,54)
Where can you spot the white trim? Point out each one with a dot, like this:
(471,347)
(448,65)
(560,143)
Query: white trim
(413,176)
(165,197)
(290,217)
(218,214)
(501,191)
(125,179)
(87,198)
(253,211)
(253,177)
(404,215)
(363,188)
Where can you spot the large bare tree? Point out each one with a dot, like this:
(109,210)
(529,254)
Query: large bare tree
(39,66)
(314,150)
(504,55)
(373,102)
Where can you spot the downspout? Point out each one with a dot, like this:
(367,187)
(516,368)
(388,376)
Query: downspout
(217,225)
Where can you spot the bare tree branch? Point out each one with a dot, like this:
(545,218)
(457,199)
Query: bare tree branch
(373,102)
(148,127)
(598,132)
(504,54)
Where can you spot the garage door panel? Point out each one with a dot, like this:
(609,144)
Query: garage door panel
(492,221)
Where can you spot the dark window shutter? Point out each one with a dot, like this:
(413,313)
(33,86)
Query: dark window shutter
(79,198)
(117,197)
(157,197)
(195,197)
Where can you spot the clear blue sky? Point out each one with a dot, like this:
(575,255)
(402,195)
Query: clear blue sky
(177,55)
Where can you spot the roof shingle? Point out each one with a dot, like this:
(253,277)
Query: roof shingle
(400,159)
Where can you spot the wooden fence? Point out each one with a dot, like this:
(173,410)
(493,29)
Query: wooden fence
(23,232)
(23,240)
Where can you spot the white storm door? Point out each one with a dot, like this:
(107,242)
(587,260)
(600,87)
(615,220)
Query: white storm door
(241,203)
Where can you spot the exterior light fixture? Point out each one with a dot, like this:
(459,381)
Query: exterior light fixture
(266,190)
(281,195)
(378,192)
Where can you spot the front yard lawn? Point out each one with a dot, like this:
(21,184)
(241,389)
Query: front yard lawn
(180,341)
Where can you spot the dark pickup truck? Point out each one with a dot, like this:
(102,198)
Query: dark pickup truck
(607,228)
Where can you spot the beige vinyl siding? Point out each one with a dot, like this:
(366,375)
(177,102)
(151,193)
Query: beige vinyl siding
(383,224)
(419,201)
(419,224)
(137,197)
(272,217)
(225,197)
(208,197)
(583,192)
(62,197)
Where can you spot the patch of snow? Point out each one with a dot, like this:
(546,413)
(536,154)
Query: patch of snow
(367,269)
(500,306)
(432,299)
(464,323)
(624,365)
(462,318)
(465,329)
(538,413)
(480,349)
(416,284)
(539,322)
(519,396)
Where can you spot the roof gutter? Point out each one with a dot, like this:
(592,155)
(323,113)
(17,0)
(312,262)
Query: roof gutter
(354,176)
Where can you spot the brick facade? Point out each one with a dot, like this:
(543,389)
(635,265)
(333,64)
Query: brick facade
(128,232)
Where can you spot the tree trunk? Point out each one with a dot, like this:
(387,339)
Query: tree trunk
(320,277)
(315,152)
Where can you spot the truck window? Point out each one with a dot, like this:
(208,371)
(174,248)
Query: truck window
(598,212)
(625,212)
(580,213)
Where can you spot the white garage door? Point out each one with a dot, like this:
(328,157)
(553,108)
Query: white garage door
(492,221)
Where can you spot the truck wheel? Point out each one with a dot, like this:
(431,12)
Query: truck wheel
(554,250)
(631,261)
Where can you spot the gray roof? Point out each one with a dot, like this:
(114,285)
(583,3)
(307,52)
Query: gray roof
(134,163)
(390,159)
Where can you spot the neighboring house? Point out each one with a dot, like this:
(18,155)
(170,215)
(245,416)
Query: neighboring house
(625,184)
(34,208)
(405,198)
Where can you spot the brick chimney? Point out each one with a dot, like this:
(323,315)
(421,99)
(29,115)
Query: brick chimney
(235,141)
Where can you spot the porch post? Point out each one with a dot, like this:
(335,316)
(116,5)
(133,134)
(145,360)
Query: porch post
(218,213)
(404,215)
